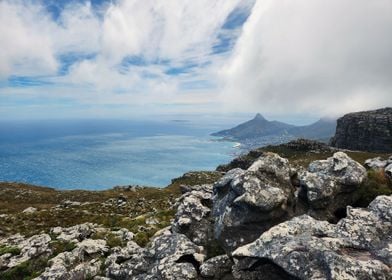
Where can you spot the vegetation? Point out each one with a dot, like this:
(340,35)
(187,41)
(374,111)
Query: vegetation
(145,211)
(9,250)
(376,184)
(26,270)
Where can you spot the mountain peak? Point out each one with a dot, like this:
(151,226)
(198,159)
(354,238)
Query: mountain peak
(259,117)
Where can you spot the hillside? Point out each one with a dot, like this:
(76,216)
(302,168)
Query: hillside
(179,232)
(260,131)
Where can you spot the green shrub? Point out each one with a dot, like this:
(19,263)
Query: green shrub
(376,184)
(62,246)
(9,250)
(141,238)
(26,270)
(114,241)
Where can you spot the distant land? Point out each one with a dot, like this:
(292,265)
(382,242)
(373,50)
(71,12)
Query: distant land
(260,131)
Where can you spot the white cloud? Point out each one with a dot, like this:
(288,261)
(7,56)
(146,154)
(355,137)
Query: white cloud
(26,48)
(321,57)
(317,57)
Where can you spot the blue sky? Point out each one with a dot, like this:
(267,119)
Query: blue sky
(127,58)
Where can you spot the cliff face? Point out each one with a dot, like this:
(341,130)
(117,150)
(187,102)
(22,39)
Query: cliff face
(365,131)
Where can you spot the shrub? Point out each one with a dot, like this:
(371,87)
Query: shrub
(9,250)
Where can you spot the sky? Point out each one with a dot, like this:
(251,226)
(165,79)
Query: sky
(131,58)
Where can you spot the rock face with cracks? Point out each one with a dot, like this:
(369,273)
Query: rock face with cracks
(357,247)
(248,202)
(328,186)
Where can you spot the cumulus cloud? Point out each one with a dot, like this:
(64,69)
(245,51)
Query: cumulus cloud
(320,57)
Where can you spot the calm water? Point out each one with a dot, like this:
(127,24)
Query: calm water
(102,154)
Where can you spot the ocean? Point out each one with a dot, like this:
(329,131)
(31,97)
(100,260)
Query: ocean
(100,154)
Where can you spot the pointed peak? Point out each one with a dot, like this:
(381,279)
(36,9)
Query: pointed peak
(259,117)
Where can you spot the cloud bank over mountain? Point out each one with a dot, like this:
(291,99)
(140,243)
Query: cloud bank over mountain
(119,58)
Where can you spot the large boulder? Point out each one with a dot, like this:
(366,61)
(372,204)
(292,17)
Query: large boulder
(365,131)
(328,186)
(357,247)
(248,202)
(193,214)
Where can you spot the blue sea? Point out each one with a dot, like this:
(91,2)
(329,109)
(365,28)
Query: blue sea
(100,154)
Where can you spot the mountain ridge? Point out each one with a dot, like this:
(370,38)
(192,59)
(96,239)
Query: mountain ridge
(260,127)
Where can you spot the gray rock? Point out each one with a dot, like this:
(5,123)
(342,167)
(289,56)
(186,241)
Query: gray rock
(193,215)
(29,210)
(169,256)
(246,203)
(217,268)
(329,185)
(357,247)
(75,233)
(128,262)
(33,247)
(375,163)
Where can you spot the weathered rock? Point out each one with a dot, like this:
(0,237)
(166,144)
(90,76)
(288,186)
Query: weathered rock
(29,210)
(217,268)
(128,262)
(193,215)
(169,256)
(365,131)
(357,247)
(375,163)
(33,247)
(329,185)
(75,233)
(246,203)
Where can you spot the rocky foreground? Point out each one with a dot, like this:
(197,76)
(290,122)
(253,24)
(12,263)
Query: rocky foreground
(267,217)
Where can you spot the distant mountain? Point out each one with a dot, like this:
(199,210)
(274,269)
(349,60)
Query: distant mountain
(323,129)
(260,128)
(256,127)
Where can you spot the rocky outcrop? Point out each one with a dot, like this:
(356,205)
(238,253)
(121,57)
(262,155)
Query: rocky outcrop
(328,186)
(248,202)
(357,247)
(365,131)
(377,163)
(169,256)
(272,220)
(26,249)
(193,214)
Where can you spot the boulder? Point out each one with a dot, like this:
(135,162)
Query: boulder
(193,215)
(357,247)
(248,202)
(375,163)
(218,267)
(32,247)
(328,186)
(75,233)
(169,256)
